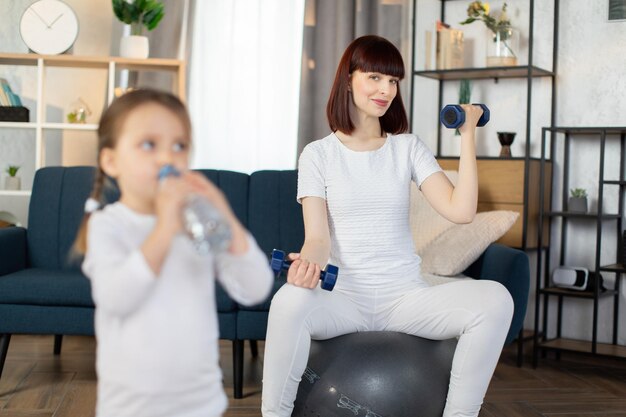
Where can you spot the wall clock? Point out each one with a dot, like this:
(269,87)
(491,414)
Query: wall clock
(49,27)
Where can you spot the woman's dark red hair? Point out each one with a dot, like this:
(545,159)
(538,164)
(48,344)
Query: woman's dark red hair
(368,54)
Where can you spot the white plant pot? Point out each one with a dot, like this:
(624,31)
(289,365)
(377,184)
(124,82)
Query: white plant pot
(12,183)
(134,47)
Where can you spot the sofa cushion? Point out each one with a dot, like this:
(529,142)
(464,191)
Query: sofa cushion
(433,279)
(46,287)
(426,224)
(455,249)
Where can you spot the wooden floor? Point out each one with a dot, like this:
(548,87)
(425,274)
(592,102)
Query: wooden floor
(36,383)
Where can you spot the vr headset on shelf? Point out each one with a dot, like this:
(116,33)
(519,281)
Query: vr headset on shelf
(576,278)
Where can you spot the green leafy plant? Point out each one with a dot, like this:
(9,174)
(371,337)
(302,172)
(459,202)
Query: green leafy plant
(477,10)
(139,13)
(12,170)
(578,192)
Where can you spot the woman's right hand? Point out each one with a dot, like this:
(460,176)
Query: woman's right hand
(302,273)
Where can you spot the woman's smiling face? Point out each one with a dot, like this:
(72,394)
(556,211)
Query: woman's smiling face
(372,92)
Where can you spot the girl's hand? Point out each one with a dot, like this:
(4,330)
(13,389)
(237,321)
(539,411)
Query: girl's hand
(302,273)
(170,198)
(171,195)
(201,185)
(472,115)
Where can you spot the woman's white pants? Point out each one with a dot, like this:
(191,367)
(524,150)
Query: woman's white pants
(478,312)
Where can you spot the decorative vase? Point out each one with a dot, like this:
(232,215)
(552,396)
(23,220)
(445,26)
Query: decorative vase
(134,47)
(577,204)
(78,112)
(502,46)
(506,139)
(12,183)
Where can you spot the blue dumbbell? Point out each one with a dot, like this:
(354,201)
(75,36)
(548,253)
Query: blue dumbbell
(452,116)
(328,276)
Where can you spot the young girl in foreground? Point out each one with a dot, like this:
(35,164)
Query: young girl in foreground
(156,321)
(354,189)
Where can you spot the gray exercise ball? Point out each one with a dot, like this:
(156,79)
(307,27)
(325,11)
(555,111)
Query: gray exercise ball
(375,374)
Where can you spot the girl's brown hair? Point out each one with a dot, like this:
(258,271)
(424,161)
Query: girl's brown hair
(368,54)
(109,129)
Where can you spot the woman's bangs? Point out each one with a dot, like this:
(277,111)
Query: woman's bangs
(380,58)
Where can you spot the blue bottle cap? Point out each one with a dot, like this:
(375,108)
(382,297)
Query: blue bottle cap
(168,170)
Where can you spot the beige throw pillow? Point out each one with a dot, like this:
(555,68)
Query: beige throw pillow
(426,223)
(453,250)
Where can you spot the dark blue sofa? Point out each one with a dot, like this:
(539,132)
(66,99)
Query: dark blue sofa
(42,290)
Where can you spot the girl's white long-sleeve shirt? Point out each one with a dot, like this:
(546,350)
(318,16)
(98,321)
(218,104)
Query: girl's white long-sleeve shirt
(158,335)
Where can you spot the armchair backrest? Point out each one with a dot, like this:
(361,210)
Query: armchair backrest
(235,187)
(55,212)
(274,215)
(265,202)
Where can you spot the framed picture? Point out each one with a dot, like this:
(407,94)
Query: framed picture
(617,10)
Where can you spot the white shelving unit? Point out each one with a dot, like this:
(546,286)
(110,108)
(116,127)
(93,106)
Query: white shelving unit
(110,64)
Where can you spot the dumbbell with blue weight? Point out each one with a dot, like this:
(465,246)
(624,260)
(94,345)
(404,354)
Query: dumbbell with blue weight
(328,276)
(453,116)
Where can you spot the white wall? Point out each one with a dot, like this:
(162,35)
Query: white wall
(591,91)
(63,86)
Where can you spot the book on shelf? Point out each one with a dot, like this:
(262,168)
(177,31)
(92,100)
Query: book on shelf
(428,51)
(15,99)
(11,109)
(7,96)
(449,47)
(4,98)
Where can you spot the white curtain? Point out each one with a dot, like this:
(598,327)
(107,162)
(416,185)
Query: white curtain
(244,83)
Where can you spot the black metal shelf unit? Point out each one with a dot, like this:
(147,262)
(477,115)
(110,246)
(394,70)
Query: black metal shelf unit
(528,71)
(543,267)
(495,73)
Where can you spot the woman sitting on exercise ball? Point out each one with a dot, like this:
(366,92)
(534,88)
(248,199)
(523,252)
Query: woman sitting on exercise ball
(354,189)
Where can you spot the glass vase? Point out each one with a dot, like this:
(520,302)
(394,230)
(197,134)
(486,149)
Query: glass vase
(502,47)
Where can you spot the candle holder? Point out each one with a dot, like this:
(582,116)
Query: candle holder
(506,139)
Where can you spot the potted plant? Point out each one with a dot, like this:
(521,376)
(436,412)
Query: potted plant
(12,182)
(138,14)
(577,202)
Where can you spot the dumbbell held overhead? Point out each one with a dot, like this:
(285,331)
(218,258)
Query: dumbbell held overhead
(328,276)
(453,116)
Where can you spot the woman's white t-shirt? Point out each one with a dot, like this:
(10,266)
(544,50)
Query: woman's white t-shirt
(367,198)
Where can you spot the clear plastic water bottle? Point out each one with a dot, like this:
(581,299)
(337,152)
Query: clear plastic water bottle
(204,224)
